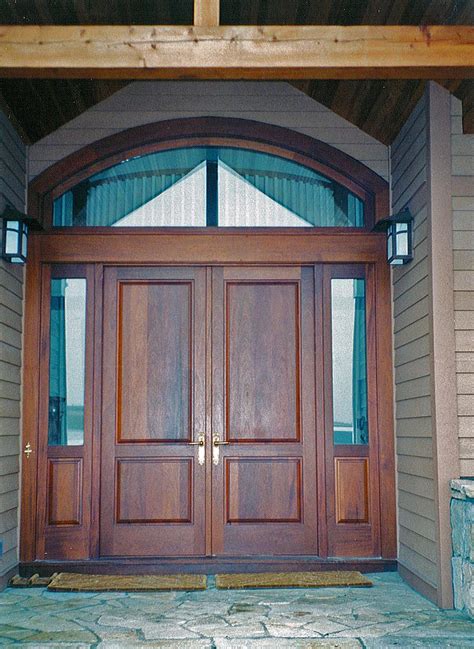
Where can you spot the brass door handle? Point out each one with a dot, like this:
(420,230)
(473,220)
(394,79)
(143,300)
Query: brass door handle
(28,451)
(201,444)
(216,442)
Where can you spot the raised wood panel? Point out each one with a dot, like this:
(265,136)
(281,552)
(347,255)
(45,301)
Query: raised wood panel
(352,490)
(263,490)
(262,363)
(64,491)
(154,362)
(154,491)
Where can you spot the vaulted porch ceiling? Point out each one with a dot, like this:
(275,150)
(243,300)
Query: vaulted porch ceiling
(377,106)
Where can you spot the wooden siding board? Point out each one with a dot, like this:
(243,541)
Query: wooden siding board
(12,189)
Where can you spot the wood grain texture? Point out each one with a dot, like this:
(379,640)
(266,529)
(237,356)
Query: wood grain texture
(264,457)
(152,499)
(297,52)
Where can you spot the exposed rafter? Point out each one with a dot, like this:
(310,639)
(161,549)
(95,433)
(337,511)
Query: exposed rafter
(305,52)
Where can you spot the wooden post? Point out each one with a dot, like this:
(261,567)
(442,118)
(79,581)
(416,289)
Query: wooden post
(206,13)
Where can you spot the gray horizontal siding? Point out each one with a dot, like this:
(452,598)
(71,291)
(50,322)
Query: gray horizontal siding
(412,349)
(12,190)
(462,147)
(276,103)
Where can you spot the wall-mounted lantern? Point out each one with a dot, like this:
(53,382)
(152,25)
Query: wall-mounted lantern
(399,229)
(15,234)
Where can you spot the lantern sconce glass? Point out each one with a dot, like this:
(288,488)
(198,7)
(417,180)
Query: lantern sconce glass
(15,234)
(399,229)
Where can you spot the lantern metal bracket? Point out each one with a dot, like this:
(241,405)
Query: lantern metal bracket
(11,214)
(404,216)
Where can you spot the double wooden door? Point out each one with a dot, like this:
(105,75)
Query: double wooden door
(208,416)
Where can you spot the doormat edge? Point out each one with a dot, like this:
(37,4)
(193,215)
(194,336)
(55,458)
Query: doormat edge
(320,579)
(76,582)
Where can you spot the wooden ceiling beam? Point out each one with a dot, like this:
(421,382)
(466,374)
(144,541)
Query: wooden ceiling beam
(206,13)
(273,52)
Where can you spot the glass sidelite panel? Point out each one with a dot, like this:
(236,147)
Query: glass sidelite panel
(349,361)
(209,186)
(67,362)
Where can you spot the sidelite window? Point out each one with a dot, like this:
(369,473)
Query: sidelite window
(67,362)
(349,361)
(209,186)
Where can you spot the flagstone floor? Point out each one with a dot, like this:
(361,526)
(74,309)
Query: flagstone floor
(388,615)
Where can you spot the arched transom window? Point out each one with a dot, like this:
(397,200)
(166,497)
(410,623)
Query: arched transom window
(209,186)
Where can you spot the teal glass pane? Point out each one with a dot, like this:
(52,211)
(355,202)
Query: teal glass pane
(186,187)
(349,361)
(67,362)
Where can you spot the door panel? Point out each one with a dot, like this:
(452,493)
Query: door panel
(264,485)
(153,489)
(260,368)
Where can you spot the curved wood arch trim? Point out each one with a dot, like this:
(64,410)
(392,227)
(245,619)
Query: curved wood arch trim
(207,131)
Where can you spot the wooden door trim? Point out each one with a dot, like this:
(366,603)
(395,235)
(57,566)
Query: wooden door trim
(209,246)
(205,565)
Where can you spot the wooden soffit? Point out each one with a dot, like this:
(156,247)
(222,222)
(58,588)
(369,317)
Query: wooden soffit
(237,52)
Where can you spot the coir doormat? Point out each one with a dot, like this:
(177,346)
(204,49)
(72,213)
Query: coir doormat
(69,581)
(293,580)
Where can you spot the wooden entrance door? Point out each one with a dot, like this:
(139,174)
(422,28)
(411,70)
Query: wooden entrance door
(264,483)
(235,364)
(152,486)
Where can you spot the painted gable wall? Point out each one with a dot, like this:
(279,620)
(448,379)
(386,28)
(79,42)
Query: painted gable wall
(144,102)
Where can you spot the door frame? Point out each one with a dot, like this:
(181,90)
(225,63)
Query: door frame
(188,248)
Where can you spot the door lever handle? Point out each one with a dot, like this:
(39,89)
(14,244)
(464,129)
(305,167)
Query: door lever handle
(216,442)
(201,444)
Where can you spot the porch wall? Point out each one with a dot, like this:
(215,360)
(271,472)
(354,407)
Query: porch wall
(12,191)
(277,103)
(463,257)
(412,343)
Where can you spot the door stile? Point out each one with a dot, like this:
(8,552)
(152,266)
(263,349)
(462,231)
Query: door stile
(30,411)
(217,393)
(96,411)
(385,419)
(319,380)
(208,414)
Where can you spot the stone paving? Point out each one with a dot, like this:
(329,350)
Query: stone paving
(388,615)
